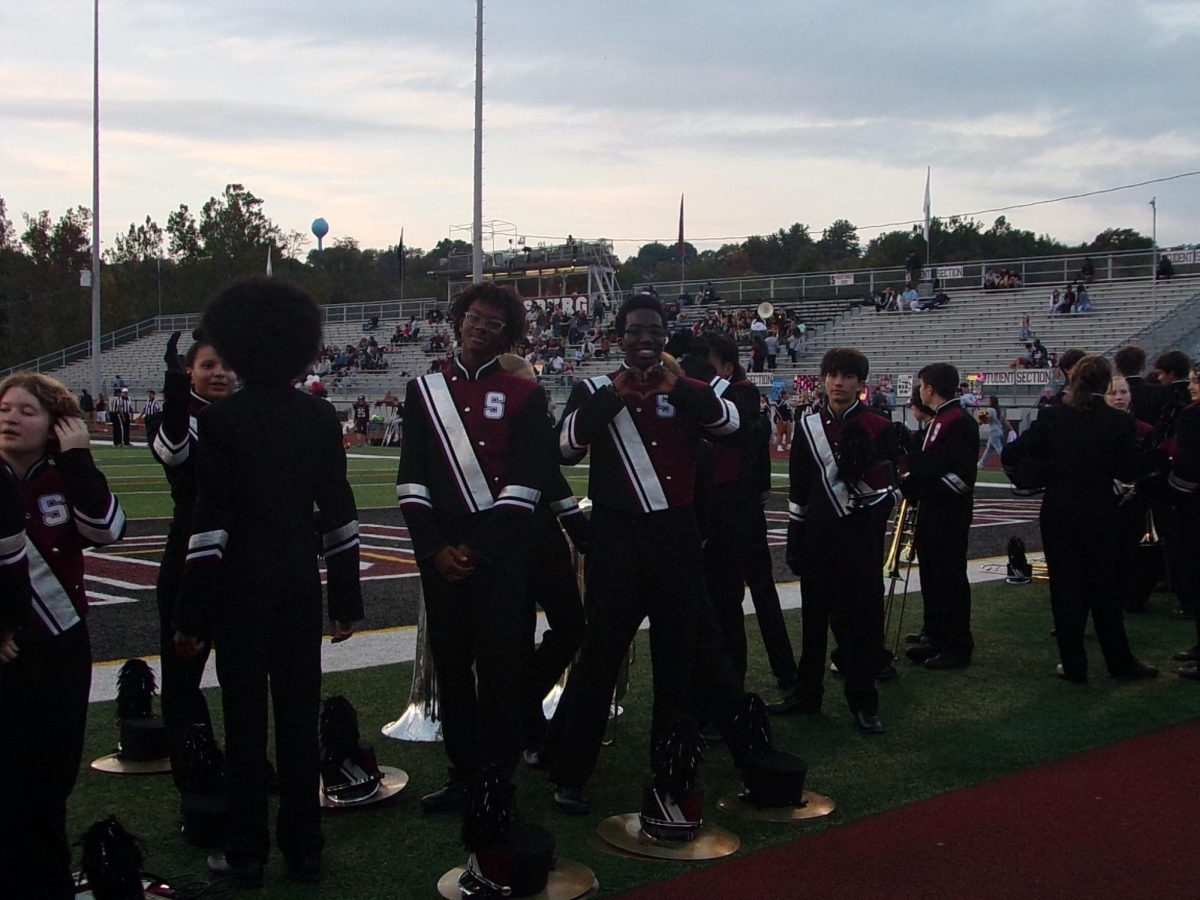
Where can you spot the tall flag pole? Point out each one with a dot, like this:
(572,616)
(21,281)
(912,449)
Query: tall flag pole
(927,220)
(682,254)
(477,229)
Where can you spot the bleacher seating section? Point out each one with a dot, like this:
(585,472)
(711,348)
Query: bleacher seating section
(978,331)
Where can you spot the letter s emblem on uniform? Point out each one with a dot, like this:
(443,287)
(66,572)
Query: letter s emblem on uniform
(664,408)
(53,508)
(493,405)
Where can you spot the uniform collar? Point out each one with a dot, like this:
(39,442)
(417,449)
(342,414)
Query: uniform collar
(851,409)
(483,371)
(196,398)
(947,404)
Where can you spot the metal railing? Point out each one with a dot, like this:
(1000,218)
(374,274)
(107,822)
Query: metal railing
(1128,265)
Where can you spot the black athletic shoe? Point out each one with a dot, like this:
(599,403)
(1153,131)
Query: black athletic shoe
(571,801)
(450,798)
(1061,673)
(1187,656)
(1135,671)
(795,703)
(868,722)
(920,653)
(1191,673)
(917,637)
(947,661)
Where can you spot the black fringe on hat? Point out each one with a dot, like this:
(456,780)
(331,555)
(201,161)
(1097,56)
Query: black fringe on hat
(751,729)
(489,811)
(112,861)
(338,729)
(676,757)
(135,689)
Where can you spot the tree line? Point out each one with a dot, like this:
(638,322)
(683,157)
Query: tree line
(151,269)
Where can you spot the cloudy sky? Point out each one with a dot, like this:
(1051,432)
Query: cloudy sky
(598,115)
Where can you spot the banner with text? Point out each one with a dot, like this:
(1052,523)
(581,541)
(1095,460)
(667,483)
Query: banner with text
(1015,378)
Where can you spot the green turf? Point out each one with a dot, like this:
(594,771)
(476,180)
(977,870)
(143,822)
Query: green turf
(945,731)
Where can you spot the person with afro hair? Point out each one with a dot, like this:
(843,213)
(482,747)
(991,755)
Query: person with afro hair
(266,456)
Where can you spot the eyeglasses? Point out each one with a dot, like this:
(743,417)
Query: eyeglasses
(495,326)
(637,332)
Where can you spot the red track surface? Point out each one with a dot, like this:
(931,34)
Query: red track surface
(1115,822)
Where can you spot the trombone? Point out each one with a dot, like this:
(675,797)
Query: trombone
(903,543)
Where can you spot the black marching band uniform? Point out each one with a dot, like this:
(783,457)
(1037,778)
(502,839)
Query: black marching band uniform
(736,555)
(1079,455)
(941,479)
(174,446)
(551,583)
(1184,485)
(644,551)
(835,544)
(65,506)
(251,582)
(475,455)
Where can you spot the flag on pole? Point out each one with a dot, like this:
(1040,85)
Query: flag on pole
(681,227)
(400,255)
(269,273)
(927,206)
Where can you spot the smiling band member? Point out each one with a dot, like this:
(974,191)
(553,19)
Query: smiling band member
(843,477)
(475,453)
(642,424)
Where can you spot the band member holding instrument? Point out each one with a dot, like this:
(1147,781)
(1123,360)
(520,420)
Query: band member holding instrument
(736,555)
(1081,448)
(843,485)
(475,455)
(642,424)
(941,479)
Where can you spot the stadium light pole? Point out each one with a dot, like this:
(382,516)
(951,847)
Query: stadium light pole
(477,229)
(96,198)
(1154,245)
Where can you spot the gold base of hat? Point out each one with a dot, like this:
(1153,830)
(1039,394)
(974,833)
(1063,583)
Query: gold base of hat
(814,807)
(146,885)
(625,833)
(394,781)
(113,764)
(569,880)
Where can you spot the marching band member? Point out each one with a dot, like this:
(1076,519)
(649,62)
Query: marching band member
(45,681)
(1172,368)
(1184,483)
(642,424)
(475,455)
(941,481)
(251,582)
(736,555)
(1081,449)
(189,386)
(1137,576)
(551,584)
(14,566)
(843,483)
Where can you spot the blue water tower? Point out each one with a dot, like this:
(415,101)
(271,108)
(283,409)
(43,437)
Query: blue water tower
(320,228)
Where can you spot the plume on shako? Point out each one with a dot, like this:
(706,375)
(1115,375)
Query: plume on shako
(111,862)
(202,764)
(136,688)
(751,729)
(489,811)
(676,757)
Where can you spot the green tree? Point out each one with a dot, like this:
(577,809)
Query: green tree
(182,234)
(839,245)
(8,234)
(1112,239)
(139,243)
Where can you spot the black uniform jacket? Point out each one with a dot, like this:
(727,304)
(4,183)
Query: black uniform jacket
(942,470)
(643,449)
(474,459)
(819,497)
(1083,457)
(265,456)
(14,562)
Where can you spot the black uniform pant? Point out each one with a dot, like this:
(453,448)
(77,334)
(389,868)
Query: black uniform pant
(43,711)
(1083,551)
(941,543)
(120,429)
(1187,517)
(477,629)
(1141,566)
(183,702)
(271,645)
(841,583)
(736,555)
(552,585)
(638,565)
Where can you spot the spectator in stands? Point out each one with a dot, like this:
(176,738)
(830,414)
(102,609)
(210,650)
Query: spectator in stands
(912,267)
(436,316)
(1041,357)
(771,345)
(1165,270)
(118,384)
(597,311)
(940,299)
(909,298)
(1026,330)
(710,294)
(1083,302)
(88,406)
(1087,271)
(1026,360)
(1055,301)
(758,353)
